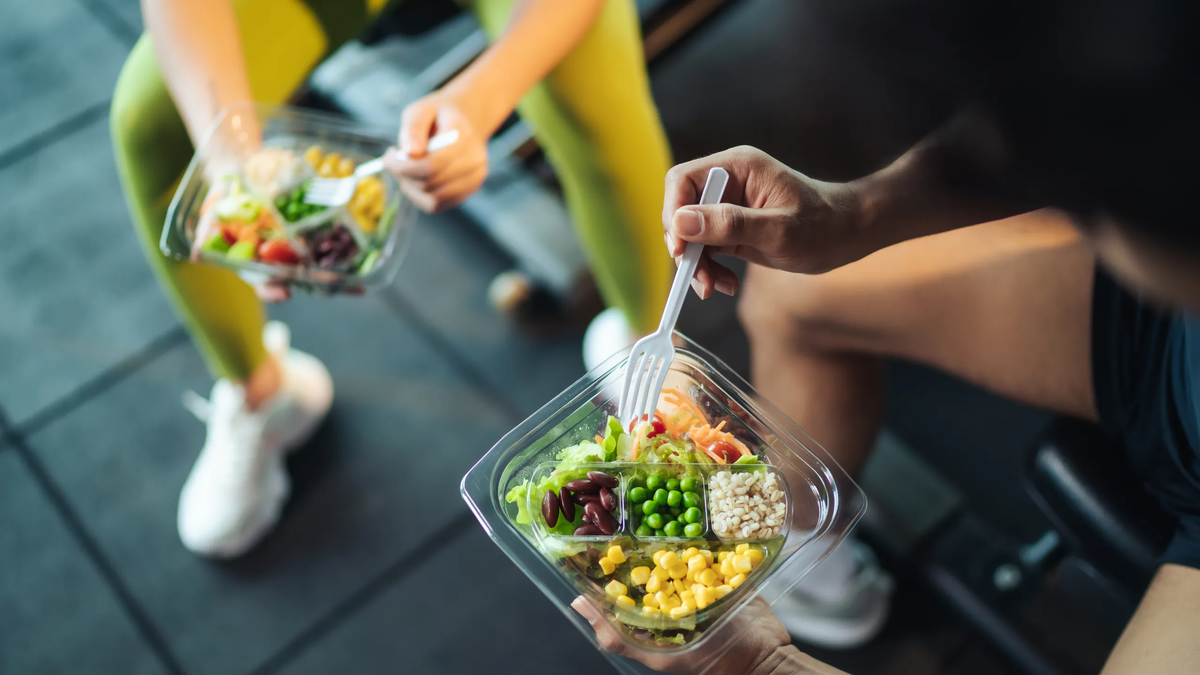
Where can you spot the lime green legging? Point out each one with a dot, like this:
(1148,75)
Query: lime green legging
(593,115)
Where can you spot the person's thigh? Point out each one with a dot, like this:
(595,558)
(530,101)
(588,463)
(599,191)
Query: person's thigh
(1004,305)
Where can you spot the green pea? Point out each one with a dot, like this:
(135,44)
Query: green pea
(659,533)
(244,250)
(693,530)
(672,484)
(661,496)
(649,506)
(654,482)
(644,530)
(638,494)
(673,528)
(675,510)
(674,498)
(693,515)
(655,521)
(637,481)
(691,499)
(688,484)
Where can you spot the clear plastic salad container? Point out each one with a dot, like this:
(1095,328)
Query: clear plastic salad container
(241,205)
(572,495)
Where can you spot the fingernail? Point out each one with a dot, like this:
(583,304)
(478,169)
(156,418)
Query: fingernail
(667,240)
(698,288)
(688,222)
(725,286)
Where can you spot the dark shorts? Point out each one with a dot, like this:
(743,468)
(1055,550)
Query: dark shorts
(1146,370)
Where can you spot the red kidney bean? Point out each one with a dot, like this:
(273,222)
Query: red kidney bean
(603,480)
(587,531)
(605,521)
(585,486)
(608,500)
(583,499)
(566,504)
(550,508)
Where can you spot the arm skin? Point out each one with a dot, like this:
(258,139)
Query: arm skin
(1164,634)
(199,50)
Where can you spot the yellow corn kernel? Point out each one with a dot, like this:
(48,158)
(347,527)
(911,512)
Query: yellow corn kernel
(707,577)
(655,557)
(651,611)
(679,571)
(669,559)
(755,555)
(669,603)
(680,612)
(663,599)
(626,602)
(650,600)
(696,563)
(696,589)
(607,565)
(329,165)
(708,557)
(741,548)
(653,584)
(313,156)
(722,556)
(616,555)
(723,590)
(679,585)
(616,588)
(687,555)
(661,573)
(345,167)
(690,605)
(742,564)
(737,580)
(640,575)
(704,598)
(686,596)
(727,568)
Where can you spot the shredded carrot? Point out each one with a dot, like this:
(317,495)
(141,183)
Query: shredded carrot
(599,439)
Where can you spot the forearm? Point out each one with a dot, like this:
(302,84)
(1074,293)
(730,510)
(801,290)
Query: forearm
(788,660)
(954,178)
(199,51)
(539,35)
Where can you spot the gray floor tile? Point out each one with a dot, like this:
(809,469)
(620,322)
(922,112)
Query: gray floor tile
(379,478)
(57,614)
(445,280)
(58,61)
(75,291)
(128,12)
(466,610)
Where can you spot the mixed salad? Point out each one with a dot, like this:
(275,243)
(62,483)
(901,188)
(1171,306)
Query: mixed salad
(691,514)
(259,215)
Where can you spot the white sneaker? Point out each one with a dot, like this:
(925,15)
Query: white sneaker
(606,335)
(849,621)
(238,485)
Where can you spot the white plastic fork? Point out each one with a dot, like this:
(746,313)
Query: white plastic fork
(333,192)
(651,357)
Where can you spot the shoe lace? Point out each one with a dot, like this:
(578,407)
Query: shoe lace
(237,456)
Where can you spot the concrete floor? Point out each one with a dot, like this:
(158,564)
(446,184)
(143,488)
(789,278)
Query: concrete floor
(377,566)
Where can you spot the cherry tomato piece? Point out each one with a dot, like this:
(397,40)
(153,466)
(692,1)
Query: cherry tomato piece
(277,251)
(725,451)
(656,426)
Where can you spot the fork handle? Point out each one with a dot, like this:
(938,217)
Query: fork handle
(369,168)
(714,187)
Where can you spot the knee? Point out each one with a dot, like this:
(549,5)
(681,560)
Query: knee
(795,310)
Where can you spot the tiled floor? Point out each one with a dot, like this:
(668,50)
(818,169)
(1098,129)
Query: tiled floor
(377,566)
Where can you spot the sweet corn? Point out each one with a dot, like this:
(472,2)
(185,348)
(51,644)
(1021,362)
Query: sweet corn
(704,598)
(722,556)
(616,555)
(626,602)
(616,588)
(692,550)
(689,605)
(670,603)
(696,563)
(313,156)
(639,575)
(650,600)
(678,585)
(345,167)
(742,564)
(653,584)
(737,580)
(669,559)
(707,577)
(607,565)
(727,568)
(651,611)
(686,596)
(656,557)
(723,590)
(661,573)
(741,548)
(679,571)
(680,612)
(755,555)
(663,599)
(708,557)
(690,578)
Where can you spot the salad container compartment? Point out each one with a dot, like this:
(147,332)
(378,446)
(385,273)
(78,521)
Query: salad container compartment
(673,528)
(241,203)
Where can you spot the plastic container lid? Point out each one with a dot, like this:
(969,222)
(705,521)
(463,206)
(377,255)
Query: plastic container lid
(822,504)
(244,129)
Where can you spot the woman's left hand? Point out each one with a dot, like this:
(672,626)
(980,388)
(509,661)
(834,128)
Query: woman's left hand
(442,179)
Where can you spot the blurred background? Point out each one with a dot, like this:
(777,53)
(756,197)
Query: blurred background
(377,566)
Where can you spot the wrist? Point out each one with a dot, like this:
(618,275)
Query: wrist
(788,660)
(483,99)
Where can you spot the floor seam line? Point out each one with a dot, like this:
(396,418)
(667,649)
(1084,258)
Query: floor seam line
(134,611)
(43,139)
(352,604)
(102,382)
